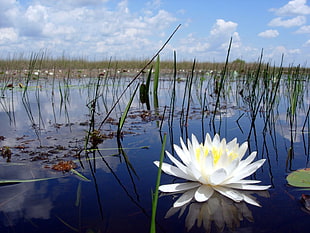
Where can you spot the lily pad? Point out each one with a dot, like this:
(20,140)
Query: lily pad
(299,178)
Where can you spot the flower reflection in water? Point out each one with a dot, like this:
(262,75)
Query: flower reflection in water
(218,209)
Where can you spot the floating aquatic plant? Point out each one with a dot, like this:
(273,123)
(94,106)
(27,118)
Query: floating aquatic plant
(215,166)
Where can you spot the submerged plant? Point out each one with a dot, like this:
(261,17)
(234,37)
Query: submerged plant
(209,167)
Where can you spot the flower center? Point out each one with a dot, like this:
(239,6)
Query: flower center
(216,152)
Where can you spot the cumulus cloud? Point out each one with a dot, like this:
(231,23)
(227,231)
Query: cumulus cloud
(7,35)
(294,7)
(214,46)
(83,27)
(269,33)
(304,29)
(280,22)
(223,28)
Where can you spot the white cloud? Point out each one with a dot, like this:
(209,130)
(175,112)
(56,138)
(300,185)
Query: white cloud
(85,27)
(280,50)
(8,11)
(269,33)
(304,29)
(222,27)
(7,35)
(221,33)
(193,45)
(215,45)
(280,22)
(294,7)
(307,43)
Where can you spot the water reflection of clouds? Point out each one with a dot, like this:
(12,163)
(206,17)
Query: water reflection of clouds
(283,127)
(24,200)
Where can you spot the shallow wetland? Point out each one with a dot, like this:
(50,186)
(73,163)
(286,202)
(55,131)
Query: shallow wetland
(72,161)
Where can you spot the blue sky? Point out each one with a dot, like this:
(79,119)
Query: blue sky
(136,29)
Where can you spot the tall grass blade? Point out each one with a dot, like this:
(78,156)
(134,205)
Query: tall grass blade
(155,195)
(124,115)
(172,100)
(221,85)
(155,82)
(80,175)
(3,182)
(189,92)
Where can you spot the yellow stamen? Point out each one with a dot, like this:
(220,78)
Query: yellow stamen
(216,152)
(198,153)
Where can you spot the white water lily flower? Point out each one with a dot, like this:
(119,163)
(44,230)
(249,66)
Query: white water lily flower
(209,167)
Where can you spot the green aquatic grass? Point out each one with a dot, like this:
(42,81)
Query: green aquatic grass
(155,82)
(220,85)
(125,113)
(156,191)
(13,181)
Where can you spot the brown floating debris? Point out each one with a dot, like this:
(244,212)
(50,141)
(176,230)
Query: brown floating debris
(64,166)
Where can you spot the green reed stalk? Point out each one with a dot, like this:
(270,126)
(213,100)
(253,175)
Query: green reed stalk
(144,90)
(255,96)
(306,118)
(189,92)
(172,100)
(124,115)
(183,103)
(155,194)
(273,93)
(155,82)
(221,85)
(148,80)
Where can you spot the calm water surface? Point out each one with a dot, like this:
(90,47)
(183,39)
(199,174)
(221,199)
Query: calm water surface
(48,122)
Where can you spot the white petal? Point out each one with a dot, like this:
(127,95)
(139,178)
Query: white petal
(242,149)
(174,171)
(208,140)
(249,159)
(248,186)
(250,200)
(195,173)
(195,142)
(185,198)
(176,162)
(223,160)
(184,147)
(218,176)
(247,182)
(232,144)
(208,164)
(247,171)
(216,139)
(203,193)
(183,155)
(178,187)
(230,193)
(232,166)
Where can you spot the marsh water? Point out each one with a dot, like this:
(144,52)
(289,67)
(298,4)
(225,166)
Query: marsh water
(45,120)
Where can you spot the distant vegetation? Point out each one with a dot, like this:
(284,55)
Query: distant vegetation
(45,63)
